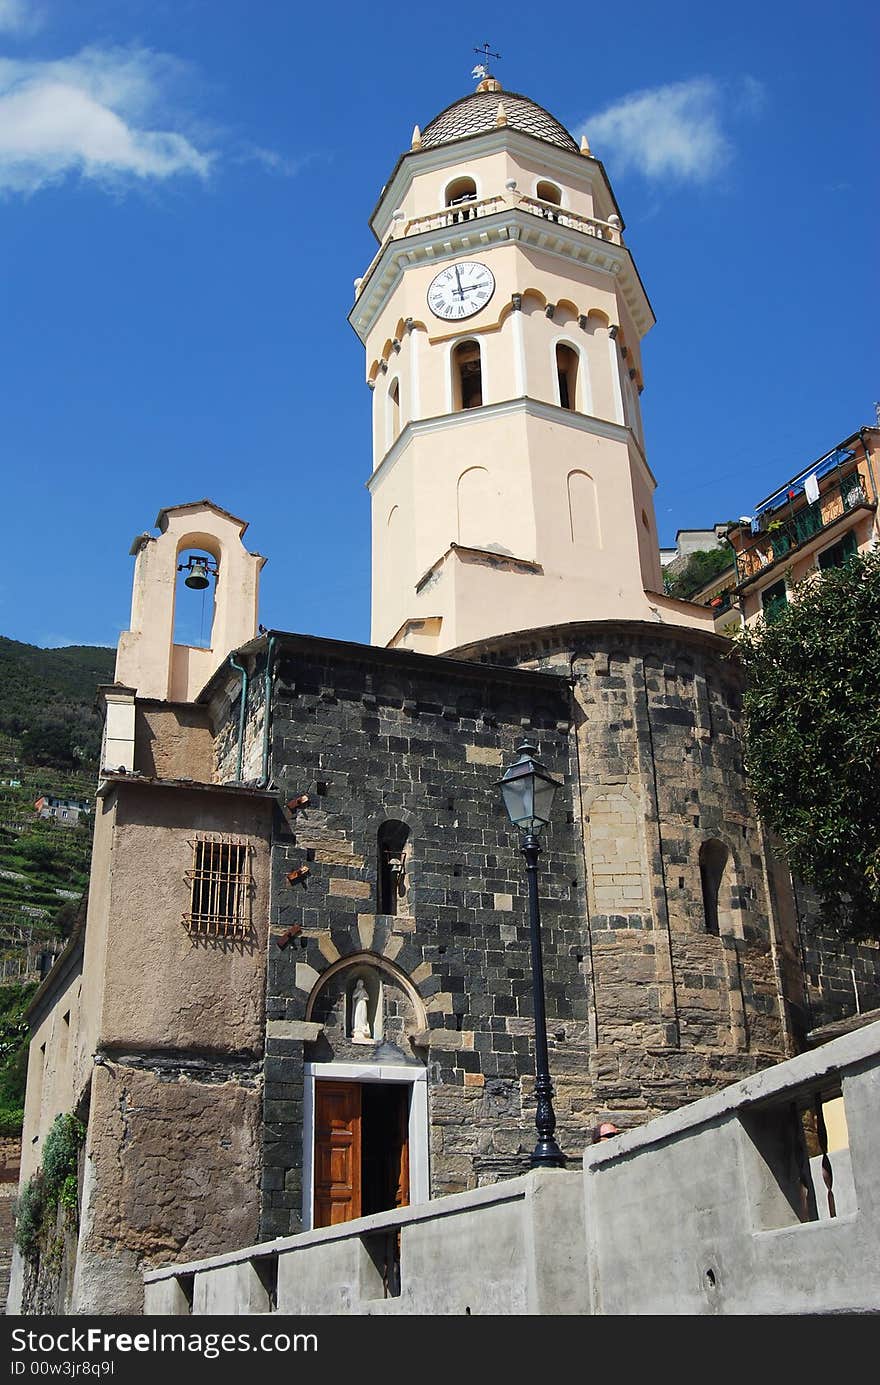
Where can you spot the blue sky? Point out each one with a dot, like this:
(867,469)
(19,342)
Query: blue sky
(184,192)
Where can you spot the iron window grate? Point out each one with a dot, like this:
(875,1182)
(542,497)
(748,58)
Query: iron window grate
(220,882)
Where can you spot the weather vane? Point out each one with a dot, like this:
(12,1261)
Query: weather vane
(482,69)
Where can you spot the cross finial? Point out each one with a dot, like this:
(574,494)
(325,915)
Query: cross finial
(482,68)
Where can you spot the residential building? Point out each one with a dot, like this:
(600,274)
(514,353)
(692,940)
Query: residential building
(813,521)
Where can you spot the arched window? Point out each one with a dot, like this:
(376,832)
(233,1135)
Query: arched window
(467,376)
(567,361)
(459,194)
(713,860)
(549,192)
(391,841)
(393,411)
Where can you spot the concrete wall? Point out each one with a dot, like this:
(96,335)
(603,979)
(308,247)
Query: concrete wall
(513,1249)
(696,1213)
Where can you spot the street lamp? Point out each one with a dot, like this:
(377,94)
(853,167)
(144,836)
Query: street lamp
(528,792)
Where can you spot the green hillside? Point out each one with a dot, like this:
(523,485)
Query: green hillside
(47,702)
(50,738)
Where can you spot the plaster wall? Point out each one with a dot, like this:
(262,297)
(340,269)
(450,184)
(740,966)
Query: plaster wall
(518,269)
(491,170)
(582,491)
(95,942)
(164,988)
(51,1087)
(173,741)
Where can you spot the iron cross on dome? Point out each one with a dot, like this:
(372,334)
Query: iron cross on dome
(482,68)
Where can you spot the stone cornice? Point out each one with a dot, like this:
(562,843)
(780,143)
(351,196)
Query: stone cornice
(512,224)
(534,408)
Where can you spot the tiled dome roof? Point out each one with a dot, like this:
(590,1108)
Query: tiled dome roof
(477,114)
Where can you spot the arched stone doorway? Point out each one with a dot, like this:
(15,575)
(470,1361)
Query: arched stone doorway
(365,1128)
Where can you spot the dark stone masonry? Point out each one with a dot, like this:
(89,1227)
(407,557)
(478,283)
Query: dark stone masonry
(657,993)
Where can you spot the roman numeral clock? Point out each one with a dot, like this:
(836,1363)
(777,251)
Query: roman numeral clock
(461,290)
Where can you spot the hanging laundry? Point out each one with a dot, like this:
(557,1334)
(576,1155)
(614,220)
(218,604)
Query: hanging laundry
(811,488)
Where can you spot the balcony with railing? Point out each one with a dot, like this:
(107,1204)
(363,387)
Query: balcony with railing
(469,209)
(806,507)
(472,209)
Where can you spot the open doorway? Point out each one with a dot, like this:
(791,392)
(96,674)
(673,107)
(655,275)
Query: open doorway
(361,1158)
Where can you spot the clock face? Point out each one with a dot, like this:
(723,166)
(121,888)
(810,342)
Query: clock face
(461,290)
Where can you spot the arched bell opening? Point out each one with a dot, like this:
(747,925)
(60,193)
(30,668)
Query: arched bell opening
(195,597)
(467,375)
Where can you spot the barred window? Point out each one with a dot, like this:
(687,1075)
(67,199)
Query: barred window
(220,887)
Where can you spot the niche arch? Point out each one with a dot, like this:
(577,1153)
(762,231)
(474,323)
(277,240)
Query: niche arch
(473,506)
(718,883)
(547,191)
(583,510)
(358,962)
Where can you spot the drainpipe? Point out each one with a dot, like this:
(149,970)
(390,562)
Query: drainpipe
(267,705)
(241,713)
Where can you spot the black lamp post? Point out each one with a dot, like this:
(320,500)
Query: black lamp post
(528,792)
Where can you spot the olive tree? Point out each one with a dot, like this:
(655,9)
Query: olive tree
(812,718)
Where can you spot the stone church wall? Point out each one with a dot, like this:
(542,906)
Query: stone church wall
(840,979)
(646,1008)
(676,1009)
(371,736)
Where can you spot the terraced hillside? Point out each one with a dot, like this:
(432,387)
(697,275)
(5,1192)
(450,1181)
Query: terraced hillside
(49,746)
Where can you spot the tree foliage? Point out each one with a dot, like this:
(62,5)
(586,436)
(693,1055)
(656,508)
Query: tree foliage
(812,714)
(47,701)
(700,568)
(54,1184)
(14,1000)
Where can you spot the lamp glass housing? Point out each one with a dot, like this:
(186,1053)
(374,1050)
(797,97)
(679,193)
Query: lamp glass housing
(528,791)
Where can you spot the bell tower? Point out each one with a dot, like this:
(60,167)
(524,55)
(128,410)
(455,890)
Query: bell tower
(502,317)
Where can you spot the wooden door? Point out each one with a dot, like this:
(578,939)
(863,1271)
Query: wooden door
(401,1153)
(337,1152)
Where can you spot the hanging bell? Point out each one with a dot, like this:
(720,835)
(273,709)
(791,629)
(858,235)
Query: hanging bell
(197,577)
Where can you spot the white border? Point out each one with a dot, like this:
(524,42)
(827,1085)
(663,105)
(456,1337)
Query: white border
(419,1168)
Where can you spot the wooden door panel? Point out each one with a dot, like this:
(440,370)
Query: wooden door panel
(337,1161)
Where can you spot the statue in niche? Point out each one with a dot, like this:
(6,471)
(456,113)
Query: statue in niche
(361,1032)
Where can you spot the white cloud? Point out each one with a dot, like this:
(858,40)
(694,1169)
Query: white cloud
(19,17)
(93,114)
(671,132)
